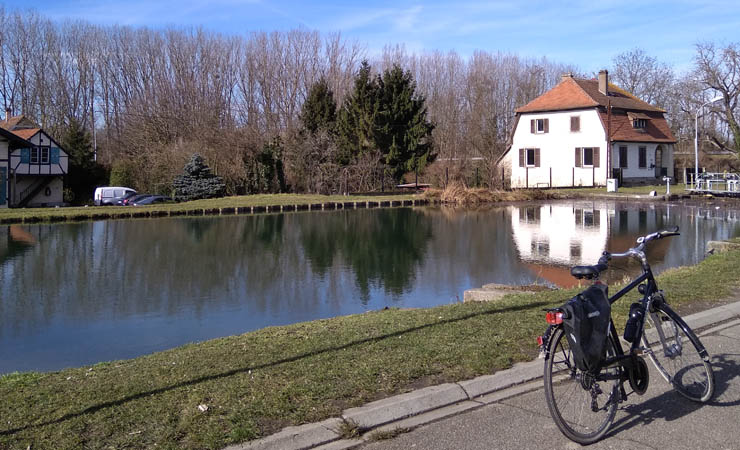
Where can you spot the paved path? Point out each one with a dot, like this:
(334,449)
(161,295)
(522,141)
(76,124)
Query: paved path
(659,419)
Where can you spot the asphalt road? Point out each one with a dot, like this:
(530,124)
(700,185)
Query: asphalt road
(659,419)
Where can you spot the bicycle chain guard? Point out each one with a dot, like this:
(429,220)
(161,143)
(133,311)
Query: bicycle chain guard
(639,375)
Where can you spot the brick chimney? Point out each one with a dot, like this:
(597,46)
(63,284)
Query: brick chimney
(7,113)
(604,82)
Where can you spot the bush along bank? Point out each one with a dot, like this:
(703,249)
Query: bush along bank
(239,388)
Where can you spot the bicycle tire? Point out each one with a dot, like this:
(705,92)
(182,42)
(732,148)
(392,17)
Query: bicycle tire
(678,354)
(570,400)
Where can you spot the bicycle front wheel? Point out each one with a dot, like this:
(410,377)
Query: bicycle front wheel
(582,406)
(678,354)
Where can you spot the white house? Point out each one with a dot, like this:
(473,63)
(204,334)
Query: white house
(582,132)
(32,165)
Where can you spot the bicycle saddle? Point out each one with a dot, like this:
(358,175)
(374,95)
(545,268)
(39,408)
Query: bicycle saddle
(587,272)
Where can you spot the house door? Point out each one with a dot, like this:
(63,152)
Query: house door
(659,162)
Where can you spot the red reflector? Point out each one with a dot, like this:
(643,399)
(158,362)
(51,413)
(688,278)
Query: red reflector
(540,341)
(554,317)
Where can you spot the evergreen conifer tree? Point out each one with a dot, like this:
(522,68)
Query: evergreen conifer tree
(402,132)
(356,121)
(198,181)
(319,111)
(83,172)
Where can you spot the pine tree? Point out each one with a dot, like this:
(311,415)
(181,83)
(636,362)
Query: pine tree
(198,181)
(83,172)
(402,132)
(319,111)
(356,121)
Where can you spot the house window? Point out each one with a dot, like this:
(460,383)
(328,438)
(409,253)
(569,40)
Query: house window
(587,156)
(540,247)
(34,155)
(575,124)
(639,124)
(44,155)
(588,218)
(575,250)
(529,157)
(623,156)
(538,126)
(642,151)
(530,214)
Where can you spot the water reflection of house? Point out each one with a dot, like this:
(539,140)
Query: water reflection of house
(15,242)
(560,234)
(552,238)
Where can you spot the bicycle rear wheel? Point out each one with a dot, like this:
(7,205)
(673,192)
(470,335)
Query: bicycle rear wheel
(678,354)
(582,407)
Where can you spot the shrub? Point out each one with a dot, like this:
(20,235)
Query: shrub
(198,182)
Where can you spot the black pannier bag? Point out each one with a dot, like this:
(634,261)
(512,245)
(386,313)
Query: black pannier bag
(587,326)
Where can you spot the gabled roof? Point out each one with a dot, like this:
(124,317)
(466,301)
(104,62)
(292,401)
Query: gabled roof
(21,127)
(18,122)
(27,133)
(620,125)
(14,139)
(578,93)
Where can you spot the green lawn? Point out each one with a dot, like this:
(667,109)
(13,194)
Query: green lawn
(9,215)
(634,190)
(256,383)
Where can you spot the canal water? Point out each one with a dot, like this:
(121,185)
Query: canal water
(77,294)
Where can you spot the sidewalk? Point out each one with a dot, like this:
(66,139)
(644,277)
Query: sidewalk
(410,410)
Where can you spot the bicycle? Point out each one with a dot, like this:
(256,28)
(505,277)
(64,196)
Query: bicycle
(583,402)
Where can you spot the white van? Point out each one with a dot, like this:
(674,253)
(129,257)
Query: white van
(109,195)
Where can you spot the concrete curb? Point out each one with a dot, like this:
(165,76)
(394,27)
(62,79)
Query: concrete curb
(433,403)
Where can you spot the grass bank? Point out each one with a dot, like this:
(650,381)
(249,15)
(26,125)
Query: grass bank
(229,390)
(246,204)
(226,205)
(464,196)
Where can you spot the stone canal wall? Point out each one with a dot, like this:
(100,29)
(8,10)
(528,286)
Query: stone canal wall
(132,212)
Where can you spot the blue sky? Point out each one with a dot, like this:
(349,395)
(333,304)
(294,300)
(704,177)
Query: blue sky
(587,33)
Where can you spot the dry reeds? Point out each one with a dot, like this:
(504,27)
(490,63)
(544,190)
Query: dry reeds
(459,194)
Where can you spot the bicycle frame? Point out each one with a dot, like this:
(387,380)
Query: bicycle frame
(651,288)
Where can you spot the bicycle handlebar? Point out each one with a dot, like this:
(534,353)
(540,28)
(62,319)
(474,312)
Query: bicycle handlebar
(638,250)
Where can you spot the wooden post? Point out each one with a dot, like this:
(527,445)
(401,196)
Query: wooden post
(573,183)
(526,178)
(550,177)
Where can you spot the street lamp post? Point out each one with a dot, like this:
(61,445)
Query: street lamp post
(696,137)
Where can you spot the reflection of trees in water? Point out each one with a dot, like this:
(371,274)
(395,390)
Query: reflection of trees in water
(382,247)
(167,267)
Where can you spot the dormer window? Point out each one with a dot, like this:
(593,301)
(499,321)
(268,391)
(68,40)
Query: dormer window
(639,120)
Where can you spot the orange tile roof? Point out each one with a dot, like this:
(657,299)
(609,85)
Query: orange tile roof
(657,129)
(26,133)
(568,94)
(577,93)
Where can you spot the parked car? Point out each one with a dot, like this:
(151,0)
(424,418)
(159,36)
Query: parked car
(134,198)
(151,200)
(109,195)
(124,200)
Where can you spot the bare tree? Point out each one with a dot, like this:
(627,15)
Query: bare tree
(644,76)
(718,70)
